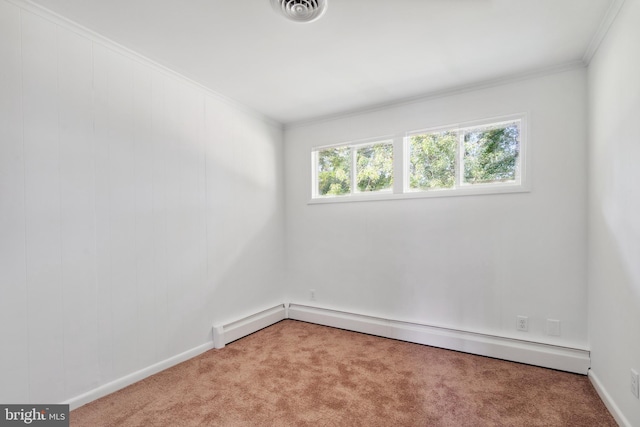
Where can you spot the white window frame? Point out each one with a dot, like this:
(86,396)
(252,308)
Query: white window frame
(460,188)
(353,146)
(401,159)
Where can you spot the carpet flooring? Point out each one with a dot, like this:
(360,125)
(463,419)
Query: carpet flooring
(301,374)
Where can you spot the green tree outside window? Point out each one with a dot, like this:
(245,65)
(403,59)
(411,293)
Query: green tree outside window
(490,155)
(374,167)
(432,162)
(334,171)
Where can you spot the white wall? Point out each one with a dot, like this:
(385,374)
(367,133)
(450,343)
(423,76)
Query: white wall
(614,210)
(129,225)
(136,210)
(472,263)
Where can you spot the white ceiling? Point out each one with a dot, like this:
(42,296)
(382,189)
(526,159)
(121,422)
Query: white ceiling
(359,54)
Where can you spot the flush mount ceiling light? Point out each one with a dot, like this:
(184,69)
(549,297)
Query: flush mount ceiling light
(300,10)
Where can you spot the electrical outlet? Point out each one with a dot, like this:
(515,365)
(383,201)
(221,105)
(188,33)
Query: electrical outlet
(522,323)
(553,327)
(312,294)
(635,383)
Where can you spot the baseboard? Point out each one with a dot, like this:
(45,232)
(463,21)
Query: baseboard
(545,355)
(608,401)
(224,334)
(134,377)
(549,356)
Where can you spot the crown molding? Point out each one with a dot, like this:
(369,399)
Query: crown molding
(603,29)
(455,90)
(596,41)
(95,37)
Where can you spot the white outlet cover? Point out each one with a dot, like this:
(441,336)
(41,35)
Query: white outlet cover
(522,323)
(553,327)
(635,384)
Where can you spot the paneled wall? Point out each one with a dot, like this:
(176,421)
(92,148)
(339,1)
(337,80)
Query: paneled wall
(469,263)
(136,210)
(614,213)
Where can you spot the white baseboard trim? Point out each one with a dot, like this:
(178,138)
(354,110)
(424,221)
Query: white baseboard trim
(545,355)
(134,377)
(608,401)
(224,334)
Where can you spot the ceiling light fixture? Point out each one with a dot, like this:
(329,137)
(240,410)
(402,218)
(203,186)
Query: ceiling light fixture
(300,10)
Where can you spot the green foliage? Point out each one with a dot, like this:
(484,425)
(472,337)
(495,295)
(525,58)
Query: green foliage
(374,167)
(334,171)
(432,161)
(490,155)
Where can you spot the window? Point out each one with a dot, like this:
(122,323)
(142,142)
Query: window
(432,160)
(459,157)
(354,168)
(474,158)
(334,171)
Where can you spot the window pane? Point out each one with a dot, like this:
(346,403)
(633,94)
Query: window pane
(432,160)
(334,171)
(491,153)
(374,167)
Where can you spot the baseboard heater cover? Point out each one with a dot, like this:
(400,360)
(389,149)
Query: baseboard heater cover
(544,355)
(224,334)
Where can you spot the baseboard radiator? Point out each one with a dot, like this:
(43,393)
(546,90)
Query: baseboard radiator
(545,355)
(532,353)
(224,334)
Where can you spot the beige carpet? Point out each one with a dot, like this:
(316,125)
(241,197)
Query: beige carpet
(300,374)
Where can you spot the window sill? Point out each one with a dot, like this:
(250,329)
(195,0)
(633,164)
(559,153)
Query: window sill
(371,197)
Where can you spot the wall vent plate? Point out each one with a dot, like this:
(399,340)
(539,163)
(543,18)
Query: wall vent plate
(300,10)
